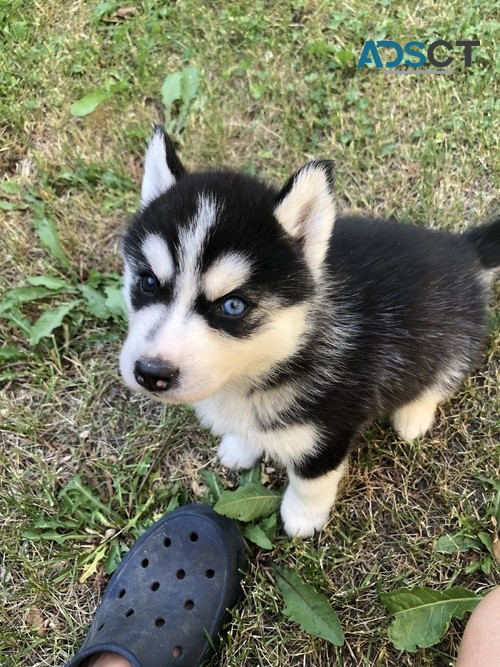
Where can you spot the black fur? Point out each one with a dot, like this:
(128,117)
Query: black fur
(394,311)
(417,301)
(487,241)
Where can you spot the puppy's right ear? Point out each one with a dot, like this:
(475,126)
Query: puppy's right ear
(162,167)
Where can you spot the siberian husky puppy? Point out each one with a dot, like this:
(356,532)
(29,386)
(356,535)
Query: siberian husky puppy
(290,328)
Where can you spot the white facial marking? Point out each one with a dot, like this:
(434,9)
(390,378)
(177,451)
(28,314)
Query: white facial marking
(192,239)
(158,256)
(141,323)
(174,339)
(157,177)
(226,274)
(128,279)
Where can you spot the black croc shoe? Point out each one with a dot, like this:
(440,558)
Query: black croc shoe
(165,604)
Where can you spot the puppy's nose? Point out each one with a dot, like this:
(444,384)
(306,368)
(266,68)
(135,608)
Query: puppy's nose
(155,374)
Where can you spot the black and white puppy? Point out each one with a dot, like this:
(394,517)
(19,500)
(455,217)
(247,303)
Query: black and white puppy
(290,328)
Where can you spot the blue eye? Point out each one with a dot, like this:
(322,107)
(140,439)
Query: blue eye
(233,306)
(149,283)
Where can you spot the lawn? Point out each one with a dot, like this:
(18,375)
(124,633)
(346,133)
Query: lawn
(84,465)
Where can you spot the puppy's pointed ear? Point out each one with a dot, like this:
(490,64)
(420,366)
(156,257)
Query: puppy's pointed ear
(306,209)
(162,167)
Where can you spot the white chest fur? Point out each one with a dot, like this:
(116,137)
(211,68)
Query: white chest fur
(233,413)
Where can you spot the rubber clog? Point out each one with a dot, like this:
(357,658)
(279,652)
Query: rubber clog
(167,601)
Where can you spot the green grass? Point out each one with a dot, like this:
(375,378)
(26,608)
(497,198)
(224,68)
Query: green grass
(275,91)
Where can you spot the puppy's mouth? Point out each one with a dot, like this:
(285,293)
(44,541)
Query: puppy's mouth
(175,396)
(169,391)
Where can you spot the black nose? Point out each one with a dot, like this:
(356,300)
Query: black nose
(155,374)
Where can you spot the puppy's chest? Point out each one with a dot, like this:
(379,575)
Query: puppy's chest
(247,412)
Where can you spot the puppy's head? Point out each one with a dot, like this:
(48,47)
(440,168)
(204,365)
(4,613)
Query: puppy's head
(219,271)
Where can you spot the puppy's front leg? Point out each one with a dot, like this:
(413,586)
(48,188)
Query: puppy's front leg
(307,502)
(237,453)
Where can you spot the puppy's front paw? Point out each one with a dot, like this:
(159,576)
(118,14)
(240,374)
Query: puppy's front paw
(235,453)
(302,518)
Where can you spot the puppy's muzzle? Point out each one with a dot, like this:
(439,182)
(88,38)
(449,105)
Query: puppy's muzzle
(155,374)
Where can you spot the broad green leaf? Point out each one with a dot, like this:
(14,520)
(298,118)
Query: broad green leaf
(485,539)
(458,543)
(50,282)
(249,502)
(11,353)
(14,315)
(115,303)
(95,302)
(257,90)
(269,526)
(310,609)
(255,534)
(189,84)
(92,562)
(422,616)
(171,91)
(8,205)
(215,486)
(19,295)
(106,8)
(49,236)
(252,475)
(113,557)
(345,57)
(52,535)
(82,501)
(11,187)
(89,103)
(50,320)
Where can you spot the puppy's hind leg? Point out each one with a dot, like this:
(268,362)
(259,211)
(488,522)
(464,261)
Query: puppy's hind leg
(414,419)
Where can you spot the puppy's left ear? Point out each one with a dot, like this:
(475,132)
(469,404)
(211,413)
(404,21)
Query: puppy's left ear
(306,209)
(162,167)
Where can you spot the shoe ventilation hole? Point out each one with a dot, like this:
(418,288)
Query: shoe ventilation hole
(180,574)
(210,574)
(167,542)
(101,627)
(160,622)
(129,613)
(122,593)
(155,586)
(144,562)
(177,652)
(194,537)
(189,604)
